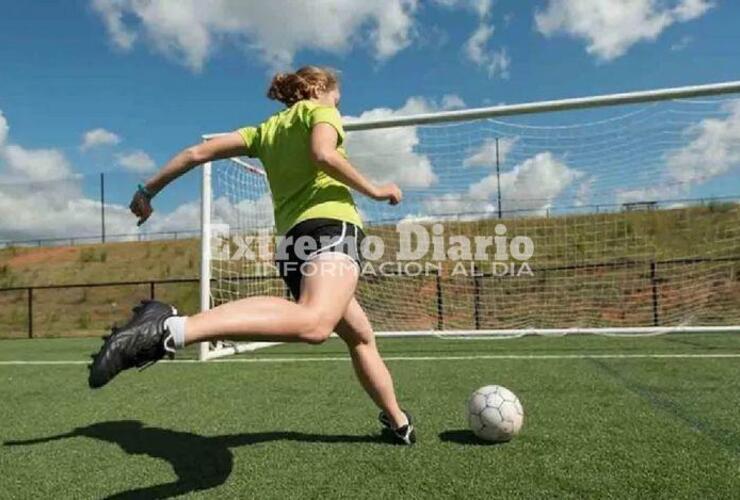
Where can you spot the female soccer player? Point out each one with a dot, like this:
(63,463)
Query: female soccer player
(309,177)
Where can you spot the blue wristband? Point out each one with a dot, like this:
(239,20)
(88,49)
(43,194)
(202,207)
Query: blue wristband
(143,190)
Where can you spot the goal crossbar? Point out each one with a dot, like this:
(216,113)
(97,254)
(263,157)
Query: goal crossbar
(686,92)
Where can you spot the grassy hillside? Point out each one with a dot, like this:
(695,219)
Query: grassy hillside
(618,294)
(131,261)
(88,311)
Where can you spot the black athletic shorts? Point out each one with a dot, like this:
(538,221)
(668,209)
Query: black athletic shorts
(310,238)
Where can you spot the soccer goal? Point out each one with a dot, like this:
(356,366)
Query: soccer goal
(614,215)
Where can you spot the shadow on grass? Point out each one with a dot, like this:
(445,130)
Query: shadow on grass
(200,462)
(465,437)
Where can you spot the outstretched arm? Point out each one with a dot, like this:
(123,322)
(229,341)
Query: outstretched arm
(224,146)
(324,153)
(25,442)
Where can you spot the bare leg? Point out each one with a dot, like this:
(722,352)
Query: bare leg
(325,294)
(357,333)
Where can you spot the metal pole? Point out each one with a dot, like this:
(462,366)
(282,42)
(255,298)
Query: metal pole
(205,246)
(547,106)
(102,207)
(476,302)
(540,107)
(440,303)
(498,179)
(654,282)
(30,313)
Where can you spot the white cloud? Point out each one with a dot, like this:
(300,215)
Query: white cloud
(393,26)
(4,128)
(190,30)
(686,10)
(611,27)
(584,191)
(43,197)
(57,211)
(712,149)
(111,12)
(498,64)
(495,62)
(482,8)
(185,217)
(532,185)
(474,48)
(99,137)
(452,101)
(454,205)
(485,155)
(136,161)
(391,155)
(247,214)
(29,165)
(33,165)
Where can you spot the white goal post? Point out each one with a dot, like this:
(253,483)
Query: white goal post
(622,243)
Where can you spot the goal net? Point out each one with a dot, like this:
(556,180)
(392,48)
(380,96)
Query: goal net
(546,218)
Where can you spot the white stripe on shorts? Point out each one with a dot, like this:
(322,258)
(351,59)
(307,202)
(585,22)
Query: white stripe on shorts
(324,249)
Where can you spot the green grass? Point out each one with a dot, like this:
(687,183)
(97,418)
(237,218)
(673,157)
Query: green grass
(596,425)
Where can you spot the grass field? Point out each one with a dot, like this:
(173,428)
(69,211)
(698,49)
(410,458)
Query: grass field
(605,417)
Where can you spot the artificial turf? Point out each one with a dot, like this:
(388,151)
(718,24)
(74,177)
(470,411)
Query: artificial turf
(297,425)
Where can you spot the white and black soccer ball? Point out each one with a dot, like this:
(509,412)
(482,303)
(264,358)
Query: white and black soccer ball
(495,413)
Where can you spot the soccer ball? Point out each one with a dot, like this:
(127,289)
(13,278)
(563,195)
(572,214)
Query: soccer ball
(495,413)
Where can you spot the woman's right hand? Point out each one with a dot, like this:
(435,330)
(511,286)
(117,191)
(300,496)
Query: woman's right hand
(141,206)
(390,192)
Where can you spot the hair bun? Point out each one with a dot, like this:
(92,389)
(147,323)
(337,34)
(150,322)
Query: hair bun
(306,83)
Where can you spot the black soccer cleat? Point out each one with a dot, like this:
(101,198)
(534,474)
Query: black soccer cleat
(406,434)
(139,343)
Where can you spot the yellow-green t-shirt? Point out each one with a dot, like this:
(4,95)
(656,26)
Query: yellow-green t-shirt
(300,190)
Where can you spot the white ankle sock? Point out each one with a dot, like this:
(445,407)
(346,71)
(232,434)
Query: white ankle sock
(406,422)
(176,327)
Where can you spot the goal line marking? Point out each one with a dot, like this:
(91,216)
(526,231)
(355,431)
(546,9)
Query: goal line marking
(314,359)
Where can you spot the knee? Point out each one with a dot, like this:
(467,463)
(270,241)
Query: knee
(364,340)
(317,329)
(358,338)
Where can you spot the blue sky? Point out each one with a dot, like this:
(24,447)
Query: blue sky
(157,75)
